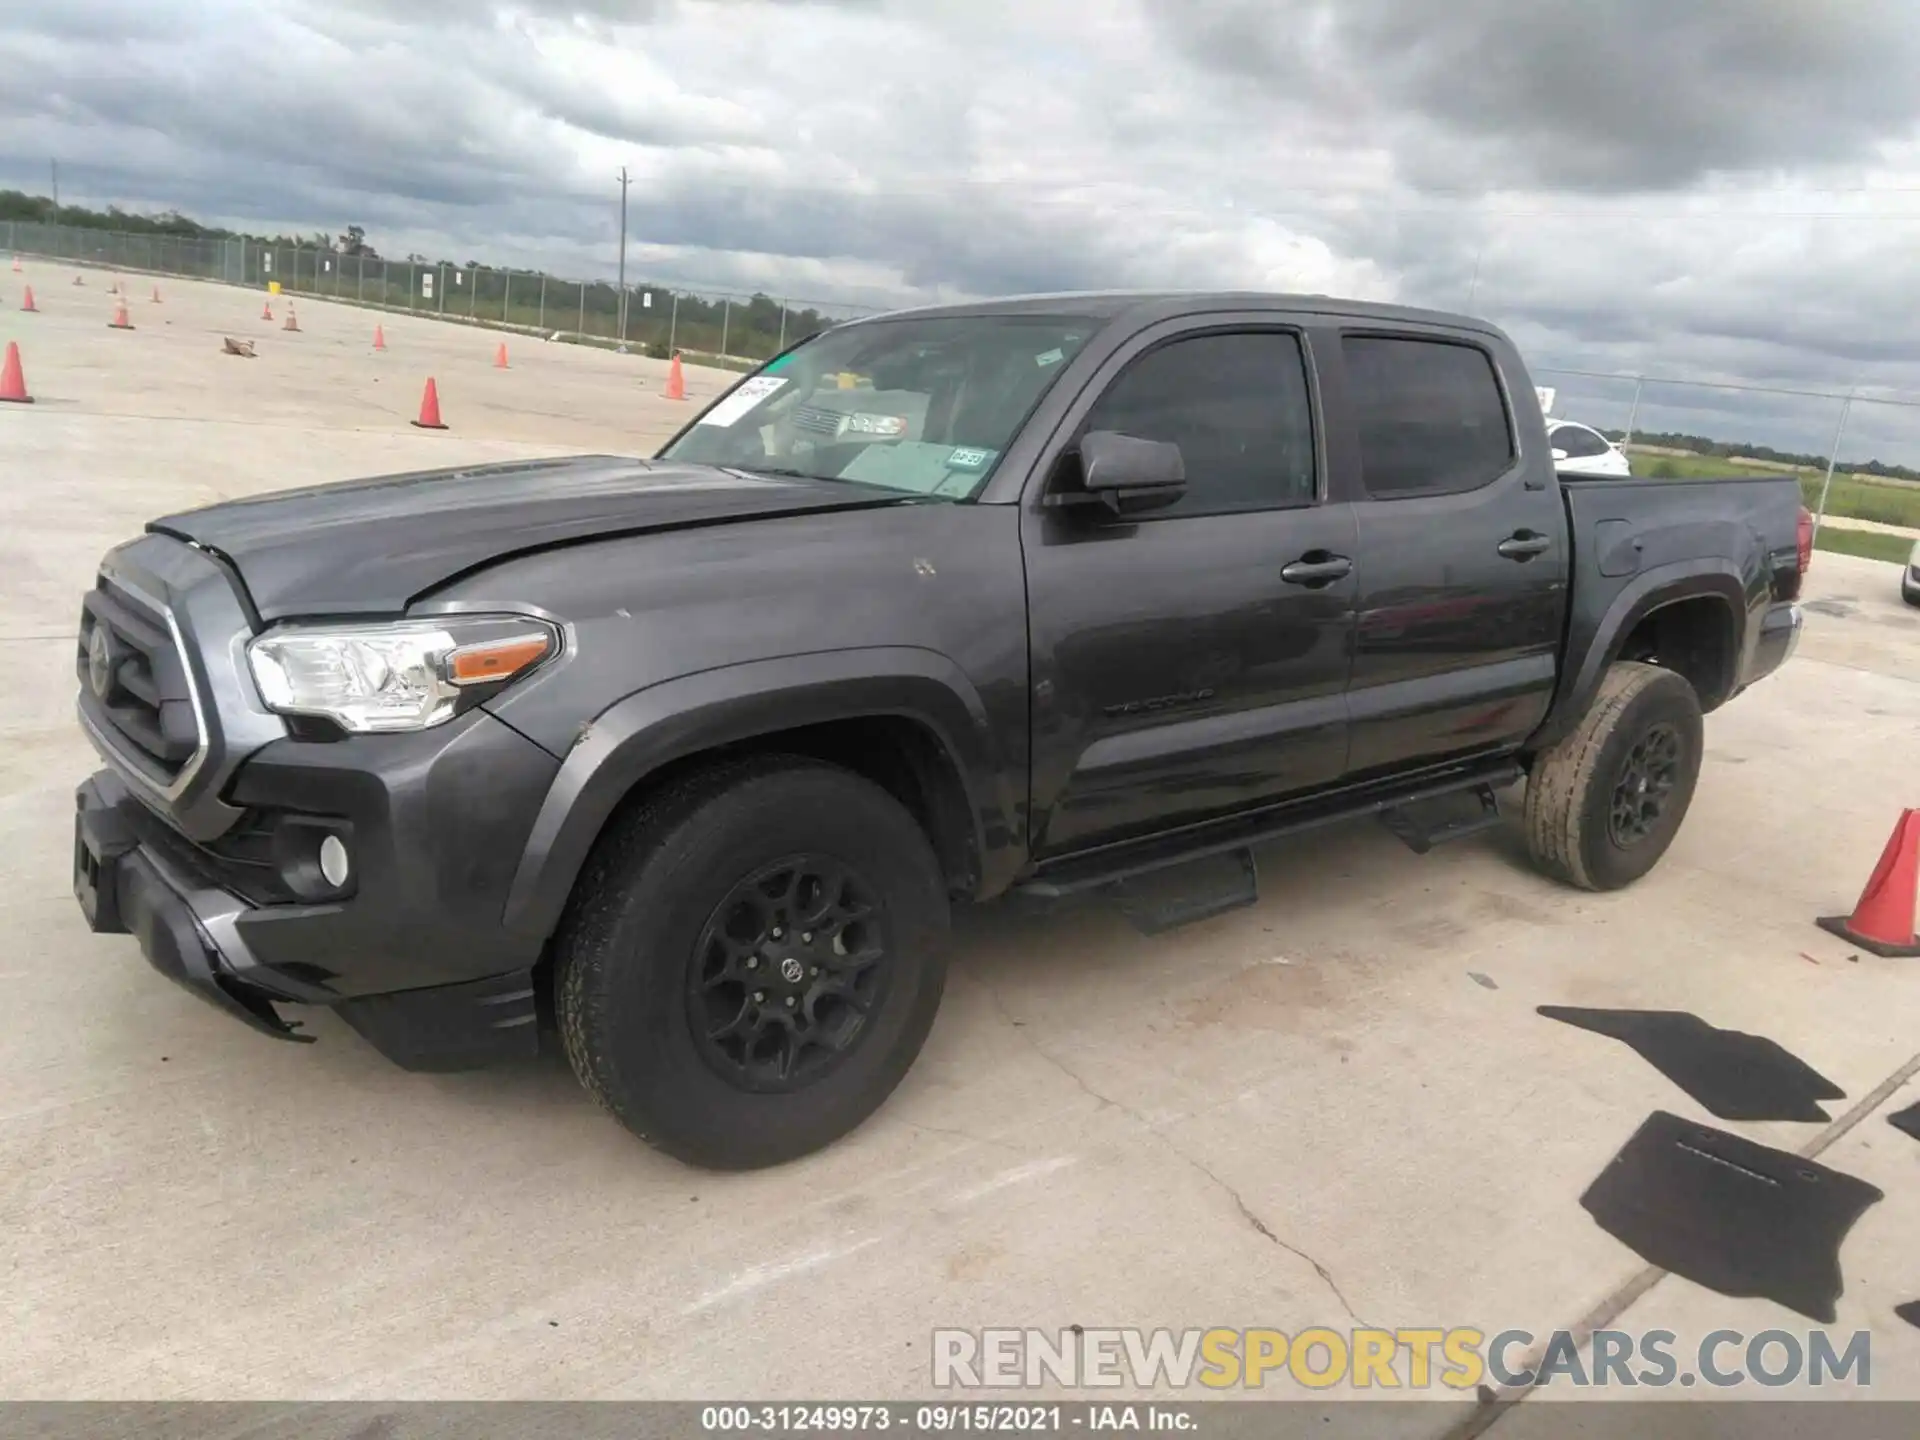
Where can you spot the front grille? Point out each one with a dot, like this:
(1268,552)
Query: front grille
(817,420)
(128,663)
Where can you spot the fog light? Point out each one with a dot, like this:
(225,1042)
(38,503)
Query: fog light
(333,861)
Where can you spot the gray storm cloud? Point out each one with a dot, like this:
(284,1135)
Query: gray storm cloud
(1620,95)
(1727,191)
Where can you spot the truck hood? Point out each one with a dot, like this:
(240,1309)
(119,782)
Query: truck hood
(373,546)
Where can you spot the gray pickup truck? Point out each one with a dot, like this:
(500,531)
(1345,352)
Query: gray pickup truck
(686,759)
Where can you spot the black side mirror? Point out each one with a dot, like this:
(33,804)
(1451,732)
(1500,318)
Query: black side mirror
(1125,474)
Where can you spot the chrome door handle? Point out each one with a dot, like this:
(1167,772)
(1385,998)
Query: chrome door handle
(1317,567)
(1525,545)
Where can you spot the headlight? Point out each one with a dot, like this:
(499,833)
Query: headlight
(404,675)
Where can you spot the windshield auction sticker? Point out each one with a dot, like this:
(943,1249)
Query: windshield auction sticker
(750,394)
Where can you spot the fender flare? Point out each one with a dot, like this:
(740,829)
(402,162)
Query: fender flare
(651,728)
(1653,590)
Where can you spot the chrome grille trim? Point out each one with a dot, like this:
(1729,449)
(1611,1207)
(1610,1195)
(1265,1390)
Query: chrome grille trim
(112,751)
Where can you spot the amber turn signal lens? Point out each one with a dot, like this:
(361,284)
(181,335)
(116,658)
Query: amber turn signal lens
(496,659)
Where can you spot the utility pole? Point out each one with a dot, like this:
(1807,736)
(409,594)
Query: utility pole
(54,166)
(624,182)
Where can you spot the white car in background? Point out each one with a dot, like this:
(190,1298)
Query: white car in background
(1581,450)
(1910,579)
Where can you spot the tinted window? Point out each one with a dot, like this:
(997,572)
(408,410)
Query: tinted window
(1236,405)
(1430,415)
(1579,442)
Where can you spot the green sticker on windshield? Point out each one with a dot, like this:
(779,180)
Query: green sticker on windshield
(774,367)
(966,458)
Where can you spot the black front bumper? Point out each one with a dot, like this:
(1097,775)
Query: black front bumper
(125,888)
(193,932)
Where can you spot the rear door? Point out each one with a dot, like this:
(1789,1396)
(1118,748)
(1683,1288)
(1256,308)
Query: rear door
(1463,553)
(1191,661)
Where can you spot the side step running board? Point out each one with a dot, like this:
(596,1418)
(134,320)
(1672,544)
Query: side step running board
(1166,899)
(1424,825)
(1099,869)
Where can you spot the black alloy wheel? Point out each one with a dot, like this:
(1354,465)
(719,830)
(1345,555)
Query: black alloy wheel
(1645,786)
(786,973)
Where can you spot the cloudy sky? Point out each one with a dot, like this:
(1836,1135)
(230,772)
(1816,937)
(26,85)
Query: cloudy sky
(1694,188)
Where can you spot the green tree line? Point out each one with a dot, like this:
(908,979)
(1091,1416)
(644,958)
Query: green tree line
(1730,449)
(40,210)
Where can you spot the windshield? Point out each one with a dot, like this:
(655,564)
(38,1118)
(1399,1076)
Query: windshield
(925,406)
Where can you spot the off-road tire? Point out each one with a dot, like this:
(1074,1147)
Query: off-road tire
(1570,790)
(643,899)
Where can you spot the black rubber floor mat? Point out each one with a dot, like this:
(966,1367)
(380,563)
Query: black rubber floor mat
(1907,1121)
(1909,1312)
(1733,1075)
(1731,1215)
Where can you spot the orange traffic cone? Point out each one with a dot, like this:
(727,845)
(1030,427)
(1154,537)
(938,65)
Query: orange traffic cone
(266,310)
(1883,920)
(120,320)
(379,338)
(500,357)
(26,302)
(293,320)
(156,296)
(676,380)
(430,408)
(13,383)
(16,264)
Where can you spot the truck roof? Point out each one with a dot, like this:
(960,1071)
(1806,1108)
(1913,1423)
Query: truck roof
(1155,304)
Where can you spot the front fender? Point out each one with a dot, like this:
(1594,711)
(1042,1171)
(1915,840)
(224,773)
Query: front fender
(677,718)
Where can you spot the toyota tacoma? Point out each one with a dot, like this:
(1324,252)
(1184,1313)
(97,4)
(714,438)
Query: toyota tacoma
(685,760)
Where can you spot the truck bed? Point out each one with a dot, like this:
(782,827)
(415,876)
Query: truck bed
(1633,537)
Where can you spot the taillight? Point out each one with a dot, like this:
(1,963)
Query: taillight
(1804,556)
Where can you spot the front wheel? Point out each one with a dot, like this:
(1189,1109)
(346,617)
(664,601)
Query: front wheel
(752,960)
(1604,804)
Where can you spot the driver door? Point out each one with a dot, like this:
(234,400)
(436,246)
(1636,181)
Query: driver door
(1192,661)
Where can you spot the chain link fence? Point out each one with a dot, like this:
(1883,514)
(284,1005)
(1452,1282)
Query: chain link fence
(728,327)
(739,329)
(1833,439)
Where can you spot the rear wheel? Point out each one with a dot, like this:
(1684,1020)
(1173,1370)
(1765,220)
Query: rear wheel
(1605,803)
(752,960)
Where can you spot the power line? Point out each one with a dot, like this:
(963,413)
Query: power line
(1848,395)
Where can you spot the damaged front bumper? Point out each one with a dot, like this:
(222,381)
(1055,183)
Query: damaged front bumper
(189,930)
